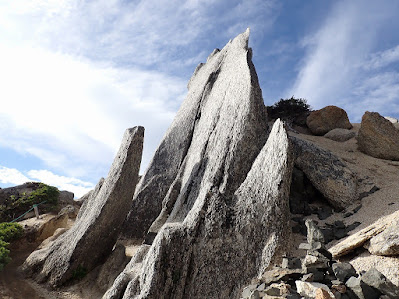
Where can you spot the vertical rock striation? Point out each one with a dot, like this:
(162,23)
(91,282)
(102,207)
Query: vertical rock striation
(219,209)
(213,140)
(94,234)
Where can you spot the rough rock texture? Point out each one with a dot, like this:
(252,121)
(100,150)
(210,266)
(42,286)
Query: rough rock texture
(387,242)
(327,172)
(222,240)
(66,198)
(326,119)
(378,281)
(361,237)
(89,197)
(340,135)
(111,268)
(213,140)
(309,289)
(93,236)
(378,137)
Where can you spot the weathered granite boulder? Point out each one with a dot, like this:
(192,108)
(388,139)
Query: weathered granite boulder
(378,137)
(93,235)
(221,240)
(386,243)
(327,172)
(340,135)
(66,198)
(326,119)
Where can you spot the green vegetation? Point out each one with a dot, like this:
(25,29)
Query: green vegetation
(289,109)
(8,232)
(16,205)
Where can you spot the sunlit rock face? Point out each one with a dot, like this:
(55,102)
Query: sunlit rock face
(215,195)
(94,234)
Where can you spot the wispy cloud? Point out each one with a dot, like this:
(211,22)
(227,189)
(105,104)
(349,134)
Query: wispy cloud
(16,177)
(343,58)
(75,74)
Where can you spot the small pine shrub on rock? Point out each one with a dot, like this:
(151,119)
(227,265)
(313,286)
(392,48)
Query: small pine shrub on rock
(292,110)
(8,232)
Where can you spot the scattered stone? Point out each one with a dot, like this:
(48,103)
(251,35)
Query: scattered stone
(328,174)
(307,246)
(355,210)
(308,289)
(314,233)
(308,277)
(348,214)
(378,137)
(92,237)
(361,237)
(324,294)
(343,271)
(358,289)
(324,120)
(377,280)
(340,135)
(365,194)
(324,212)
(291,263)
(340,233)
(247,291)
(352,226)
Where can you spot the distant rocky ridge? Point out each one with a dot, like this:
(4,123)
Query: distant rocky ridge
(213,211)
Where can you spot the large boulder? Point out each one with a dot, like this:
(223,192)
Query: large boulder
(224,240)
(223,110)
(328,174)
(378,137)
(94,234)
(326,119)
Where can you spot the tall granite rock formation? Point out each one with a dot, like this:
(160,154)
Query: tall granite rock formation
(94,234)
(224,241)
(217,216)
(212,142)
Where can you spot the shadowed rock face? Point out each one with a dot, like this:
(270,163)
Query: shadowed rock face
(327,172)
(224,241)
(212,142)
(93,235)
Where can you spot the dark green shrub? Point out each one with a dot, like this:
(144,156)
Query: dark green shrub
(293,110)
(16,205)
(8,232)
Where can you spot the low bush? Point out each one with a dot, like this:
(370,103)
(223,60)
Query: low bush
(16,204)
(293,110)
(8,232)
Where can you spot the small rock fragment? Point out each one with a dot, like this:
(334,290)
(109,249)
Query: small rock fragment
(343,271)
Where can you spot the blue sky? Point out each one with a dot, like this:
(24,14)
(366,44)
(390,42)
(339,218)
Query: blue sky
(75,74)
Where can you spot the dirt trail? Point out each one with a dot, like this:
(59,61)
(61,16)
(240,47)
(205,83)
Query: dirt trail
(12,283)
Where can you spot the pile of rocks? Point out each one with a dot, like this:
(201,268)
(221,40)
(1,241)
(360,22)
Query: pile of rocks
(317,275)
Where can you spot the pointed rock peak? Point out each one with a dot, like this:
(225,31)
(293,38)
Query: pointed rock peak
(242,39)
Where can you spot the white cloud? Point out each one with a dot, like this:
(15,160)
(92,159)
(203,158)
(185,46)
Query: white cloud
(16,177)
(340,56)
(12,176)
(78,187)
(383,58)
(76,74)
